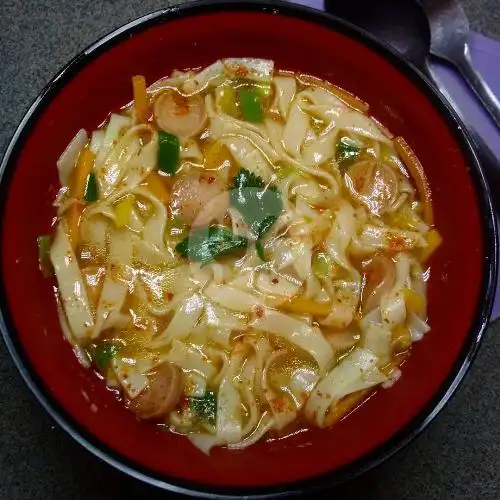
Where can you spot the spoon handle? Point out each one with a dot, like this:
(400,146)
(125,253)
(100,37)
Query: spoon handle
(487,158)
(479,86)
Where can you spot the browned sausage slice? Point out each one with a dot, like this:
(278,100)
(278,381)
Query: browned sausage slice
(179,115)
(161,396)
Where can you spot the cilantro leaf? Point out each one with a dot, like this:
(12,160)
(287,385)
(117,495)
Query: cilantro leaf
(260,251)
(205,407)
(205,244)
(258,204)
(346,152)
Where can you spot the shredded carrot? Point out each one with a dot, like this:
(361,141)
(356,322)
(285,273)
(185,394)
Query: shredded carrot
(80,175)
(346,405)
(155,183)
(300,305)
(141,99)
(73,218)
(417,173)
(413,300)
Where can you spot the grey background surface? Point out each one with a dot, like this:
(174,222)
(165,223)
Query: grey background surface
(458,456)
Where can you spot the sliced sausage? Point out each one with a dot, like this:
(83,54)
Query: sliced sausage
(179,115)
(199,199)
(161,395)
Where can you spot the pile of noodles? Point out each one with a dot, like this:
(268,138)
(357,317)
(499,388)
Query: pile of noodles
(212,330)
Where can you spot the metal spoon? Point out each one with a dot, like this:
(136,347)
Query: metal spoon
(403,25)
(449,40)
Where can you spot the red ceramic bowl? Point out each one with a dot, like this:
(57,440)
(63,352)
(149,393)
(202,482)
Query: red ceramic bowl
(463,270)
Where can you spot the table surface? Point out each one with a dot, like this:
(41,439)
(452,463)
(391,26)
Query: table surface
(458,456)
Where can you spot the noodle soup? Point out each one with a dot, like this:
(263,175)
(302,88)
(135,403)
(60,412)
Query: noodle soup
(240,249)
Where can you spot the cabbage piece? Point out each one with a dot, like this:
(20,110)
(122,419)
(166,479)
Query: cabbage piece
(132,374)
(259,70)
(97,141)
(71,285)
(355,372)
(113,130)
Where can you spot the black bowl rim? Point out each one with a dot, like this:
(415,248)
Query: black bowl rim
(448,386)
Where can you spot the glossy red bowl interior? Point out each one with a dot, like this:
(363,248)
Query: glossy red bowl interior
(99,82)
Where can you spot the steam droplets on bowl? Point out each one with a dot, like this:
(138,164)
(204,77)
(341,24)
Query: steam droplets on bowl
(240,250)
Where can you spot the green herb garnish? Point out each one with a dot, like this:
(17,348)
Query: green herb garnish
(346,152)
(251,107)
(91,189)
(205,244)
(169,150)
(205,408)
(258,204)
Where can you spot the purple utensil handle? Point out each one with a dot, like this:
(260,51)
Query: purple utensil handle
(485,55)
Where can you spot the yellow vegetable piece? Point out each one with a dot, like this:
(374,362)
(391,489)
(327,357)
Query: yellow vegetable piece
(414,301)
(400,338)
(228,101)
(434,240)
(300,305)
(321,265)
(82,170)
(79,177)
(346,405)
(218,156)
(141,99)
(123,209)
(155,183)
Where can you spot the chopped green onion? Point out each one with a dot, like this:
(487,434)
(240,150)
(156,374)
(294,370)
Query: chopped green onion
(169,150)
(251,107)
(103,354)
(91,189)
(346,152)
(44,243)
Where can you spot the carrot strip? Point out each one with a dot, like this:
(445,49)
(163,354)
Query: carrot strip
(346,405)
(141,99)
(417,173)
(73,218)
(80,175)
(300,305)
(155,183)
